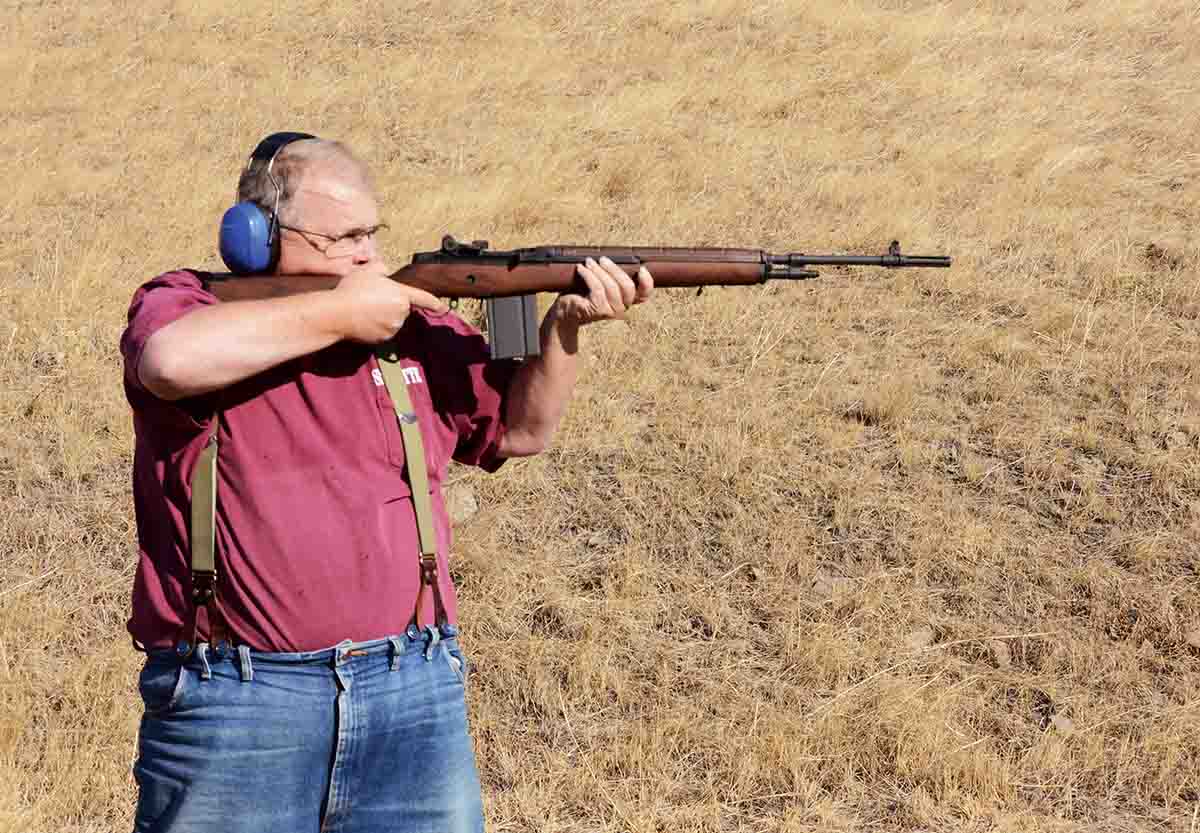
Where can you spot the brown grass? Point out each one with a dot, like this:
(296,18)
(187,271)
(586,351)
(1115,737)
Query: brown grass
(900,552)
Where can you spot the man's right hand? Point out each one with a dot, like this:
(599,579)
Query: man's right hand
(374,307)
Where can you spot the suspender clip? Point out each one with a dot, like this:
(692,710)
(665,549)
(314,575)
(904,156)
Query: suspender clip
(203,586)
(429,569)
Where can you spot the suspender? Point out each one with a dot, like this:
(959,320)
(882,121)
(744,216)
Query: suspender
(204,548)
(418,479)
(204,510)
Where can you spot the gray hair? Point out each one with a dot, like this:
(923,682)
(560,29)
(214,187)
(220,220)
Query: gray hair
(292,160)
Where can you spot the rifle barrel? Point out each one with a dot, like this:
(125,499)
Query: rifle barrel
(897,261)
(893,259)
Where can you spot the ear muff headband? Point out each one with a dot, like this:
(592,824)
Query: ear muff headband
(269,147)
(248,239)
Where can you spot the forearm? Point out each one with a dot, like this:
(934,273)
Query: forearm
(539,392)
(215,346)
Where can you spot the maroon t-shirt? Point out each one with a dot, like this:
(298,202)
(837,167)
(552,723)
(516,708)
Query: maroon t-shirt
(315,530)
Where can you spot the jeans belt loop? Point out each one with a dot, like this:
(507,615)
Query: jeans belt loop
(244,662)
(435,636)
(397,652)
(202,654)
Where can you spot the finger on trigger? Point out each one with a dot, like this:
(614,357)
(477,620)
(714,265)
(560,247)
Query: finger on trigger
(427,300)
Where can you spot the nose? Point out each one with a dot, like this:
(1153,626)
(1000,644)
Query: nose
(366,252)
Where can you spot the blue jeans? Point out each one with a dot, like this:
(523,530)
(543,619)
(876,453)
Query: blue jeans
(359,738)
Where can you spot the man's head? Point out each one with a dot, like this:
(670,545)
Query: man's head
(321,200)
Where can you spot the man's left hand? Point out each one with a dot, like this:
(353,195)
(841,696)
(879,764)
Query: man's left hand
(611,293)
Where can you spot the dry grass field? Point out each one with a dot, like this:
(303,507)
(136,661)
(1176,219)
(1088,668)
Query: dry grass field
(883,551)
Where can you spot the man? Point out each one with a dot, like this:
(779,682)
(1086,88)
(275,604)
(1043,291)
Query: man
(338,702)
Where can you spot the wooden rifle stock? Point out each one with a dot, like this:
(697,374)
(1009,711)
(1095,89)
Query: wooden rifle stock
(472,270)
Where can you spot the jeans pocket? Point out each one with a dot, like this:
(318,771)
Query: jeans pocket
(161,685)
(458,663)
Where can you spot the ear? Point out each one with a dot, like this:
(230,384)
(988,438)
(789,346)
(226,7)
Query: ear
(245,240)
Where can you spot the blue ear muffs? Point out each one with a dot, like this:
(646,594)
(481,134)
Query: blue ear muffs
(249,237)
(245,240)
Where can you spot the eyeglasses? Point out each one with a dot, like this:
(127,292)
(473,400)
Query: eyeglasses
(342,245)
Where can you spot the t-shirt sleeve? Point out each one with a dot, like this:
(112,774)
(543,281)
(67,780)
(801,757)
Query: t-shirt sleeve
(155,305)
(469,389)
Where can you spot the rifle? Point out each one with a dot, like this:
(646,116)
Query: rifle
(508,280)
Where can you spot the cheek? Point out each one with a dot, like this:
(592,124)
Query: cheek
(339,267)
(293,261)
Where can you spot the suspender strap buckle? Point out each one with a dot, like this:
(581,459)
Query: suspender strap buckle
(204,587)
(204,595)
(429,569)
(429,578)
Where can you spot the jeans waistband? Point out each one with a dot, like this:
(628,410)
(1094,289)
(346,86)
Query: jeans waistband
(412,636)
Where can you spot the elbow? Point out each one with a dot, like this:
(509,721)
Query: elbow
(523,444)
(161,374)
(536,445)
